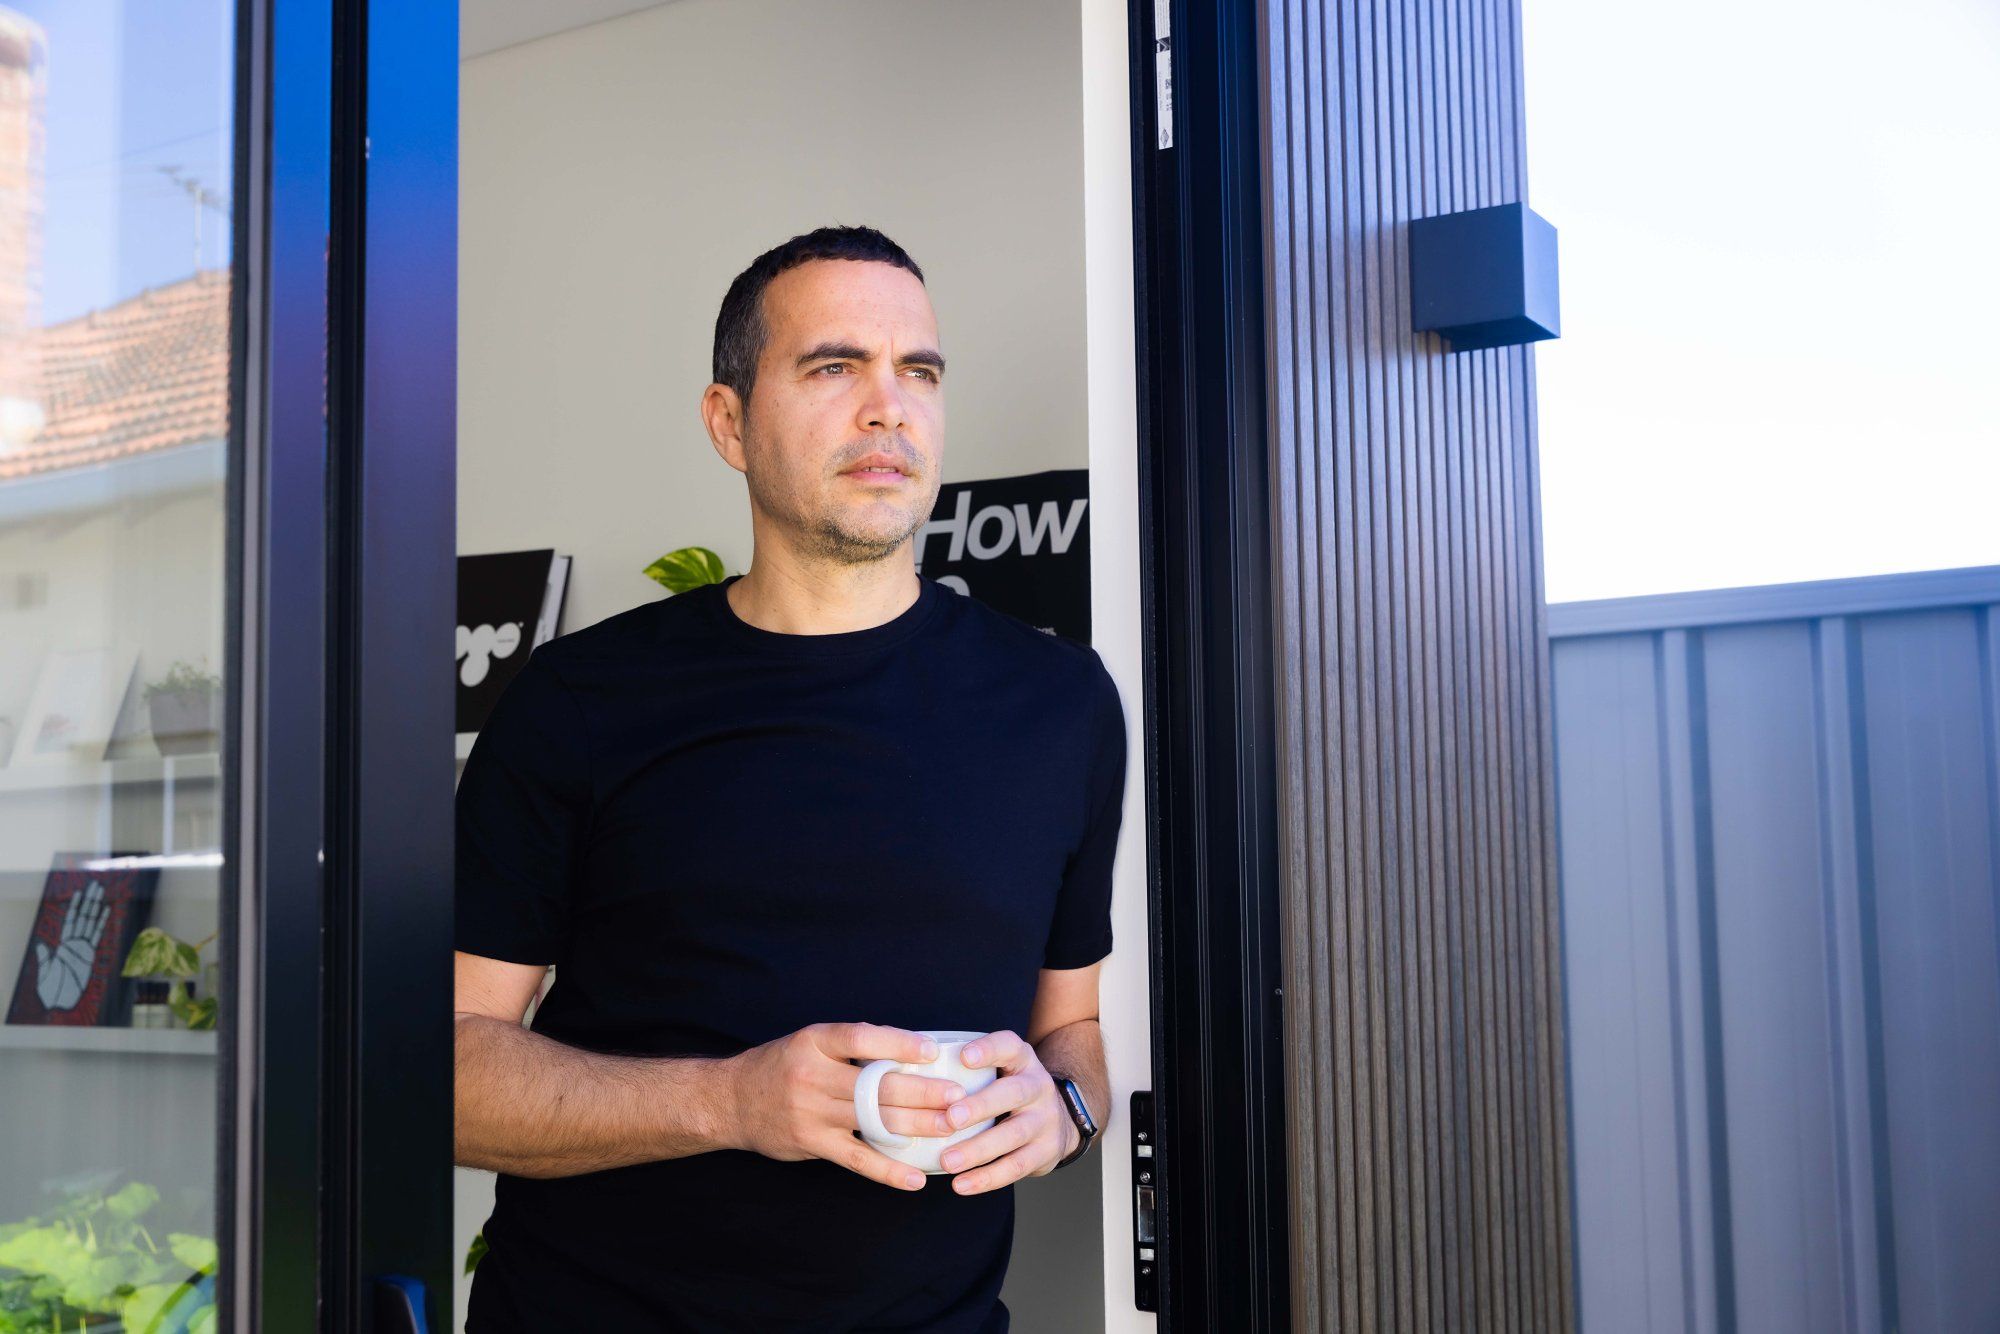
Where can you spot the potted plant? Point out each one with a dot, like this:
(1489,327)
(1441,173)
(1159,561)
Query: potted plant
(157,954)
(185,707)
(689,567)
(92,1263)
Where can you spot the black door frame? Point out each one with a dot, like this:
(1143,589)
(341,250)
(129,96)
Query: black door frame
(273,782)
(342,485)
(336,1151)
(392,578)
(1204,501)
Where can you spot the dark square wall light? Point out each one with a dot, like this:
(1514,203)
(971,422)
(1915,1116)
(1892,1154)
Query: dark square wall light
(1484,278)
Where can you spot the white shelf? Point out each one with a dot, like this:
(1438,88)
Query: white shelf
(119,1041)
(186,885)
(138,770)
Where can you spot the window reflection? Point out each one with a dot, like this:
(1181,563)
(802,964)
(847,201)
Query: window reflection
(115,188)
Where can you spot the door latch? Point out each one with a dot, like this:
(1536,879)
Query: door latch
(1145,1204)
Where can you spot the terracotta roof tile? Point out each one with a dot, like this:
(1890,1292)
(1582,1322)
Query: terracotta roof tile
(149,373)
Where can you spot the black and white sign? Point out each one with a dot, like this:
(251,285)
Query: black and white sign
(508,603)
(1018,544)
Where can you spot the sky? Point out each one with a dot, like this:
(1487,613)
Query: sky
(1779,350)
(132,86)
(1779,287)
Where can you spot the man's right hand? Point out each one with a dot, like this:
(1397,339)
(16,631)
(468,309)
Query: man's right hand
(793,1098)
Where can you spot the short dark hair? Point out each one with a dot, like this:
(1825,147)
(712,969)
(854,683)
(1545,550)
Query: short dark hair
(740,330)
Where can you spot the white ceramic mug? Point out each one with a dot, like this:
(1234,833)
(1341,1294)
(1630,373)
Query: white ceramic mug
(920,1151)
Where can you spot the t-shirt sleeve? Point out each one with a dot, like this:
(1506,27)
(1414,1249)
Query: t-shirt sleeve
(1081,932)
(522,807)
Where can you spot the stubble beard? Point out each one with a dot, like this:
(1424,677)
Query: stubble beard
(823,535)
(826,539)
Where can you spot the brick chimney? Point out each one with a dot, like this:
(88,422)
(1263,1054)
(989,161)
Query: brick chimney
(21,131)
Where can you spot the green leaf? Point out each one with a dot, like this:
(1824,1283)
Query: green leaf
(196,1014)
(134,1199)
(197,1253)
(157,954)
(203,1321)
(689,567)
(150,1308)
(50,1250)
(475,1252)
(96,1286)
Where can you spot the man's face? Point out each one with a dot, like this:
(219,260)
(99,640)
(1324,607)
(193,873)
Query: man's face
(850,375)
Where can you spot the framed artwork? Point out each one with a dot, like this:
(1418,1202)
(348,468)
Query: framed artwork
(72,971)
(75,703)
(509,603)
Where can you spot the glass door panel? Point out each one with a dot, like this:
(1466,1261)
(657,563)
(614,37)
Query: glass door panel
(116,187)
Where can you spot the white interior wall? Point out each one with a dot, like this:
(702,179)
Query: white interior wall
(614,178)
(1111,354)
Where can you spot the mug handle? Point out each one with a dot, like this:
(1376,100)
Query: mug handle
(868,1106)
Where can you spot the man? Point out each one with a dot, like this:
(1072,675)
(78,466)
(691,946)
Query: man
(766,830)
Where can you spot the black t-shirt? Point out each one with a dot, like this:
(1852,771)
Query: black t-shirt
(721,834)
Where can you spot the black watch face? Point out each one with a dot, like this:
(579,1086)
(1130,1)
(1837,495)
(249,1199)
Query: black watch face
(1078,1108)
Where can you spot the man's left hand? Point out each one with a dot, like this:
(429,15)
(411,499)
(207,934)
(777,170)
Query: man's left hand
(1037,1134)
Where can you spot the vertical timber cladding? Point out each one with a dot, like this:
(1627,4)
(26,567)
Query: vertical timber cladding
(1423,1011)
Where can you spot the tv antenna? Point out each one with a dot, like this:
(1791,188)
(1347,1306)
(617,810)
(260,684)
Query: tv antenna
(203,197)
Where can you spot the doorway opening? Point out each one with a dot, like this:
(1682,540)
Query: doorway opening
(620,162)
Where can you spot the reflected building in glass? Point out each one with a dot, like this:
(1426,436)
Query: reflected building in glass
(114,423)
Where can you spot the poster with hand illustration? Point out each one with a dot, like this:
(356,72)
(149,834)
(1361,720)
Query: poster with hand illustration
(72,972)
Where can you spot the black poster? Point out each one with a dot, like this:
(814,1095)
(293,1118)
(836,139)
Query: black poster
(1018,544)
(501,598)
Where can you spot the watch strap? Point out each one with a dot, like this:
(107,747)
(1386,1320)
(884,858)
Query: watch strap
(1079,1115)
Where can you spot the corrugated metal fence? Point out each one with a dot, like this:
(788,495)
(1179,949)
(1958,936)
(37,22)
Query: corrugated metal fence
(1779,819)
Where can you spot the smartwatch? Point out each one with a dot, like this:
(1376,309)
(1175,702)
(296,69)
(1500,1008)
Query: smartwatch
(1079,1112)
